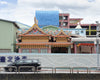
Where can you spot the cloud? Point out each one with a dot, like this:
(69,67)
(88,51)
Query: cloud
(7,10)
(25,9)
(91,0)
(3,2)
(63,4)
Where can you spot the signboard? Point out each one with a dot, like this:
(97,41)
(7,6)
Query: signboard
(4,59)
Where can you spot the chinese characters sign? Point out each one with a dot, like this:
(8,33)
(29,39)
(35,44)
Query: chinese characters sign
(11,58)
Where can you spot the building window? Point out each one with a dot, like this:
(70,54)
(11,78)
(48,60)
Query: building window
(82,31)
(43,50)
(60,17)
(25,51)
(87,32)
(64,24)
(93,27)
(93,32)
(34,51)
(64,18)
(59,23)
(77,32)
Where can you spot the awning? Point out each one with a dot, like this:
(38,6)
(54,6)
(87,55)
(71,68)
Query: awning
(85,44)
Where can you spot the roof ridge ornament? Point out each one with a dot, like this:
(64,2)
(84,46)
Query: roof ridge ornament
(78,26)
(35,20)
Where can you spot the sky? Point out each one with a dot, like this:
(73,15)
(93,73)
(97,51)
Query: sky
(24,10)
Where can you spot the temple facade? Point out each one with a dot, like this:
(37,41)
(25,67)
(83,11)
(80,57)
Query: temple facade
(35,40)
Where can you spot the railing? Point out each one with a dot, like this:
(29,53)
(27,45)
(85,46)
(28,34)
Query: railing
(26,68)
(9,69)
(53,70)
(63,69)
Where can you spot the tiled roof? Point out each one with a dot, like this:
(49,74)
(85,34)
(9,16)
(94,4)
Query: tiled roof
(52,30)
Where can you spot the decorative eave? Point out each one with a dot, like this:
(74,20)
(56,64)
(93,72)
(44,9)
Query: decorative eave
(46,43)
(35,35)
(85,44)
(61,32)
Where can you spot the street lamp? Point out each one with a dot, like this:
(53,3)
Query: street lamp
(97,42)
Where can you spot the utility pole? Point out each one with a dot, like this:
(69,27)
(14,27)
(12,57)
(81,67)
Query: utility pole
(97,42)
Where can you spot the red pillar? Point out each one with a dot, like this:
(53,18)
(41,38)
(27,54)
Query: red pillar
(75,48)
(49,50)
(95,49)
(20,50)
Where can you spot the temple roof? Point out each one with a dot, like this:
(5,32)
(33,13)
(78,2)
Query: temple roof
(55,31)
(34,31)
(52,30)
(62,34)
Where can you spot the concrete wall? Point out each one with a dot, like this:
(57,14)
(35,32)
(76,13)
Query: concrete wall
(49,76)
(7,35)
(54,60)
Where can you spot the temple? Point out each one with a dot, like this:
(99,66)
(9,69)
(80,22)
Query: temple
(36,40)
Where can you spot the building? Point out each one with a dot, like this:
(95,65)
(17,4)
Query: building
(8,33)
(90,29)
(63,20)
(66,22)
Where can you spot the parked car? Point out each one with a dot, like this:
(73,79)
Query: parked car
(24,65)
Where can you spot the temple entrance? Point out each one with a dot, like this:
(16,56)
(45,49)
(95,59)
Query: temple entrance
(59,50)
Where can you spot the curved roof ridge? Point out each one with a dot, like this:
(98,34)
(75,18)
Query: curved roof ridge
(35,26)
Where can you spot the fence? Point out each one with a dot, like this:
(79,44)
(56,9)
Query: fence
(53,70)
